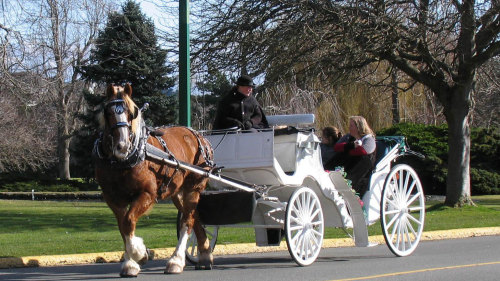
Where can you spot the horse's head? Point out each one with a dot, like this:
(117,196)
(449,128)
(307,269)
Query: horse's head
(120,119)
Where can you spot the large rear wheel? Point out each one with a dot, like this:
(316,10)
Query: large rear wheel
(304,226)
(192,253)
(402,210)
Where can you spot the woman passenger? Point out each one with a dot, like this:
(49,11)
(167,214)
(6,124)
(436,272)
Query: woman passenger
(355,152)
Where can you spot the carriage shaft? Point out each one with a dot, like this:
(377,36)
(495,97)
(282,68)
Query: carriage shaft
(157,154)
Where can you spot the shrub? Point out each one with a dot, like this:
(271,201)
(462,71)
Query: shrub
(432,141)
(45,185)
(484,182)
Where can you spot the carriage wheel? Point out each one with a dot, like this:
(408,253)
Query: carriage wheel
(304,226)
(192,244)
(402,210)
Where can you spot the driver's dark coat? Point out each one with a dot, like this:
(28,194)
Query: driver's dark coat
(238,110)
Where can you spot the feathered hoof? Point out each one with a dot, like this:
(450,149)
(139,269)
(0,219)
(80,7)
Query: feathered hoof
(130,269)
(173,268)
(131,273)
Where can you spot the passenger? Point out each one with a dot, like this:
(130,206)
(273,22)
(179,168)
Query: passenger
(329,137)
(240,109)
(356,153)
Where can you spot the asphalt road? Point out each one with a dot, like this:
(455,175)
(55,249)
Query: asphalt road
(476,258)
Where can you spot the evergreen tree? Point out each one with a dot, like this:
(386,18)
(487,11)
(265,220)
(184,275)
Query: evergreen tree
(214,85)
(127,52)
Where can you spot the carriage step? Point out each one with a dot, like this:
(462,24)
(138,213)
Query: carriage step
(360,229)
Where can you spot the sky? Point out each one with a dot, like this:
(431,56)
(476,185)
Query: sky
(154,12)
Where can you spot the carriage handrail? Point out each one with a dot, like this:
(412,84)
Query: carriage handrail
(404,148)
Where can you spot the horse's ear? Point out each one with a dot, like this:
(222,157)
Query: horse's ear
(128,89)
(110,91)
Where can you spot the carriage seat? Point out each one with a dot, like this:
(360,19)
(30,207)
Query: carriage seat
(381,150)
(295,120)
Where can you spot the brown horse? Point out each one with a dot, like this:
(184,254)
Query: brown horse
(131,183)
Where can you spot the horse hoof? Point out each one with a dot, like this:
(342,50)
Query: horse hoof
(207,266)
(129,274)
(130,269)
(173,269)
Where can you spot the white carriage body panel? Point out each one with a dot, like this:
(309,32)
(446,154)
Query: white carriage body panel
(283,163)
(372,197)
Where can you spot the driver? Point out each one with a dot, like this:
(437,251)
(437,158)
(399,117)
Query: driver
(240,109)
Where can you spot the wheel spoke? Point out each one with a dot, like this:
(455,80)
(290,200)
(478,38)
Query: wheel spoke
(296,220)
(412,199)
(414,219)
(392,187)
(410,190)
(410,227)
(393,202)
(391,212)
(307,202)
(399,235)
(315,213)
(296,228)
(393,219)
(316,233)
(408,181)
(416,208)
(297,208)
(394,227)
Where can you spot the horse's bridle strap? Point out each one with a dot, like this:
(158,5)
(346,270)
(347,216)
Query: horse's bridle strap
(112,102)
(119,125)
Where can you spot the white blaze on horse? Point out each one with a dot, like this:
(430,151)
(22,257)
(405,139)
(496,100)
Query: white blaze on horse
(131,183)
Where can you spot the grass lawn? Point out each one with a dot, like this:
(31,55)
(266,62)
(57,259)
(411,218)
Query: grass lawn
(45,227)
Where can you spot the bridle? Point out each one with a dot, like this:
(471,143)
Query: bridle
(120,106)
(120,109)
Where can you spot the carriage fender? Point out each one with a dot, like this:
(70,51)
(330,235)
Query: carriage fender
(332,204)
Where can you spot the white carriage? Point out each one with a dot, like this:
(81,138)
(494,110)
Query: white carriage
(274,181)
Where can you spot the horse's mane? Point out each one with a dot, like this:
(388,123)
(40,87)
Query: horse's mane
(133,109)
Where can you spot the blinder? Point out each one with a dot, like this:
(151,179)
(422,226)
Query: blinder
(120,109)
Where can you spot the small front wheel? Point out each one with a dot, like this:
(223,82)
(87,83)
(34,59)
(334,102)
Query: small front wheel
(304,226)
(402,210)
(192,253)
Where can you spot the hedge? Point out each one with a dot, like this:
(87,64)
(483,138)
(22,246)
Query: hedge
(432,141)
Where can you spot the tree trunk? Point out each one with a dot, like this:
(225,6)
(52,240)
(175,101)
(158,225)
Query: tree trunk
(457,113)
(63,139)
(395,98)
(64,157)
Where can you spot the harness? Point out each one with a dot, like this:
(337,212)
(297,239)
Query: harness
(138,147)
(136,156)
(205,152)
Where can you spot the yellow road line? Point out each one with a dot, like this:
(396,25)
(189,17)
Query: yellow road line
(417,271)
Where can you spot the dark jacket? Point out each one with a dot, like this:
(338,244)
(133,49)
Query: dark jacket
(238,110)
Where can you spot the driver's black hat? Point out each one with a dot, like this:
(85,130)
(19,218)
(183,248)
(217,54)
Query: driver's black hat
(245,80)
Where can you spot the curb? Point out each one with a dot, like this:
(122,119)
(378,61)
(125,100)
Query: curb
(164,253)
